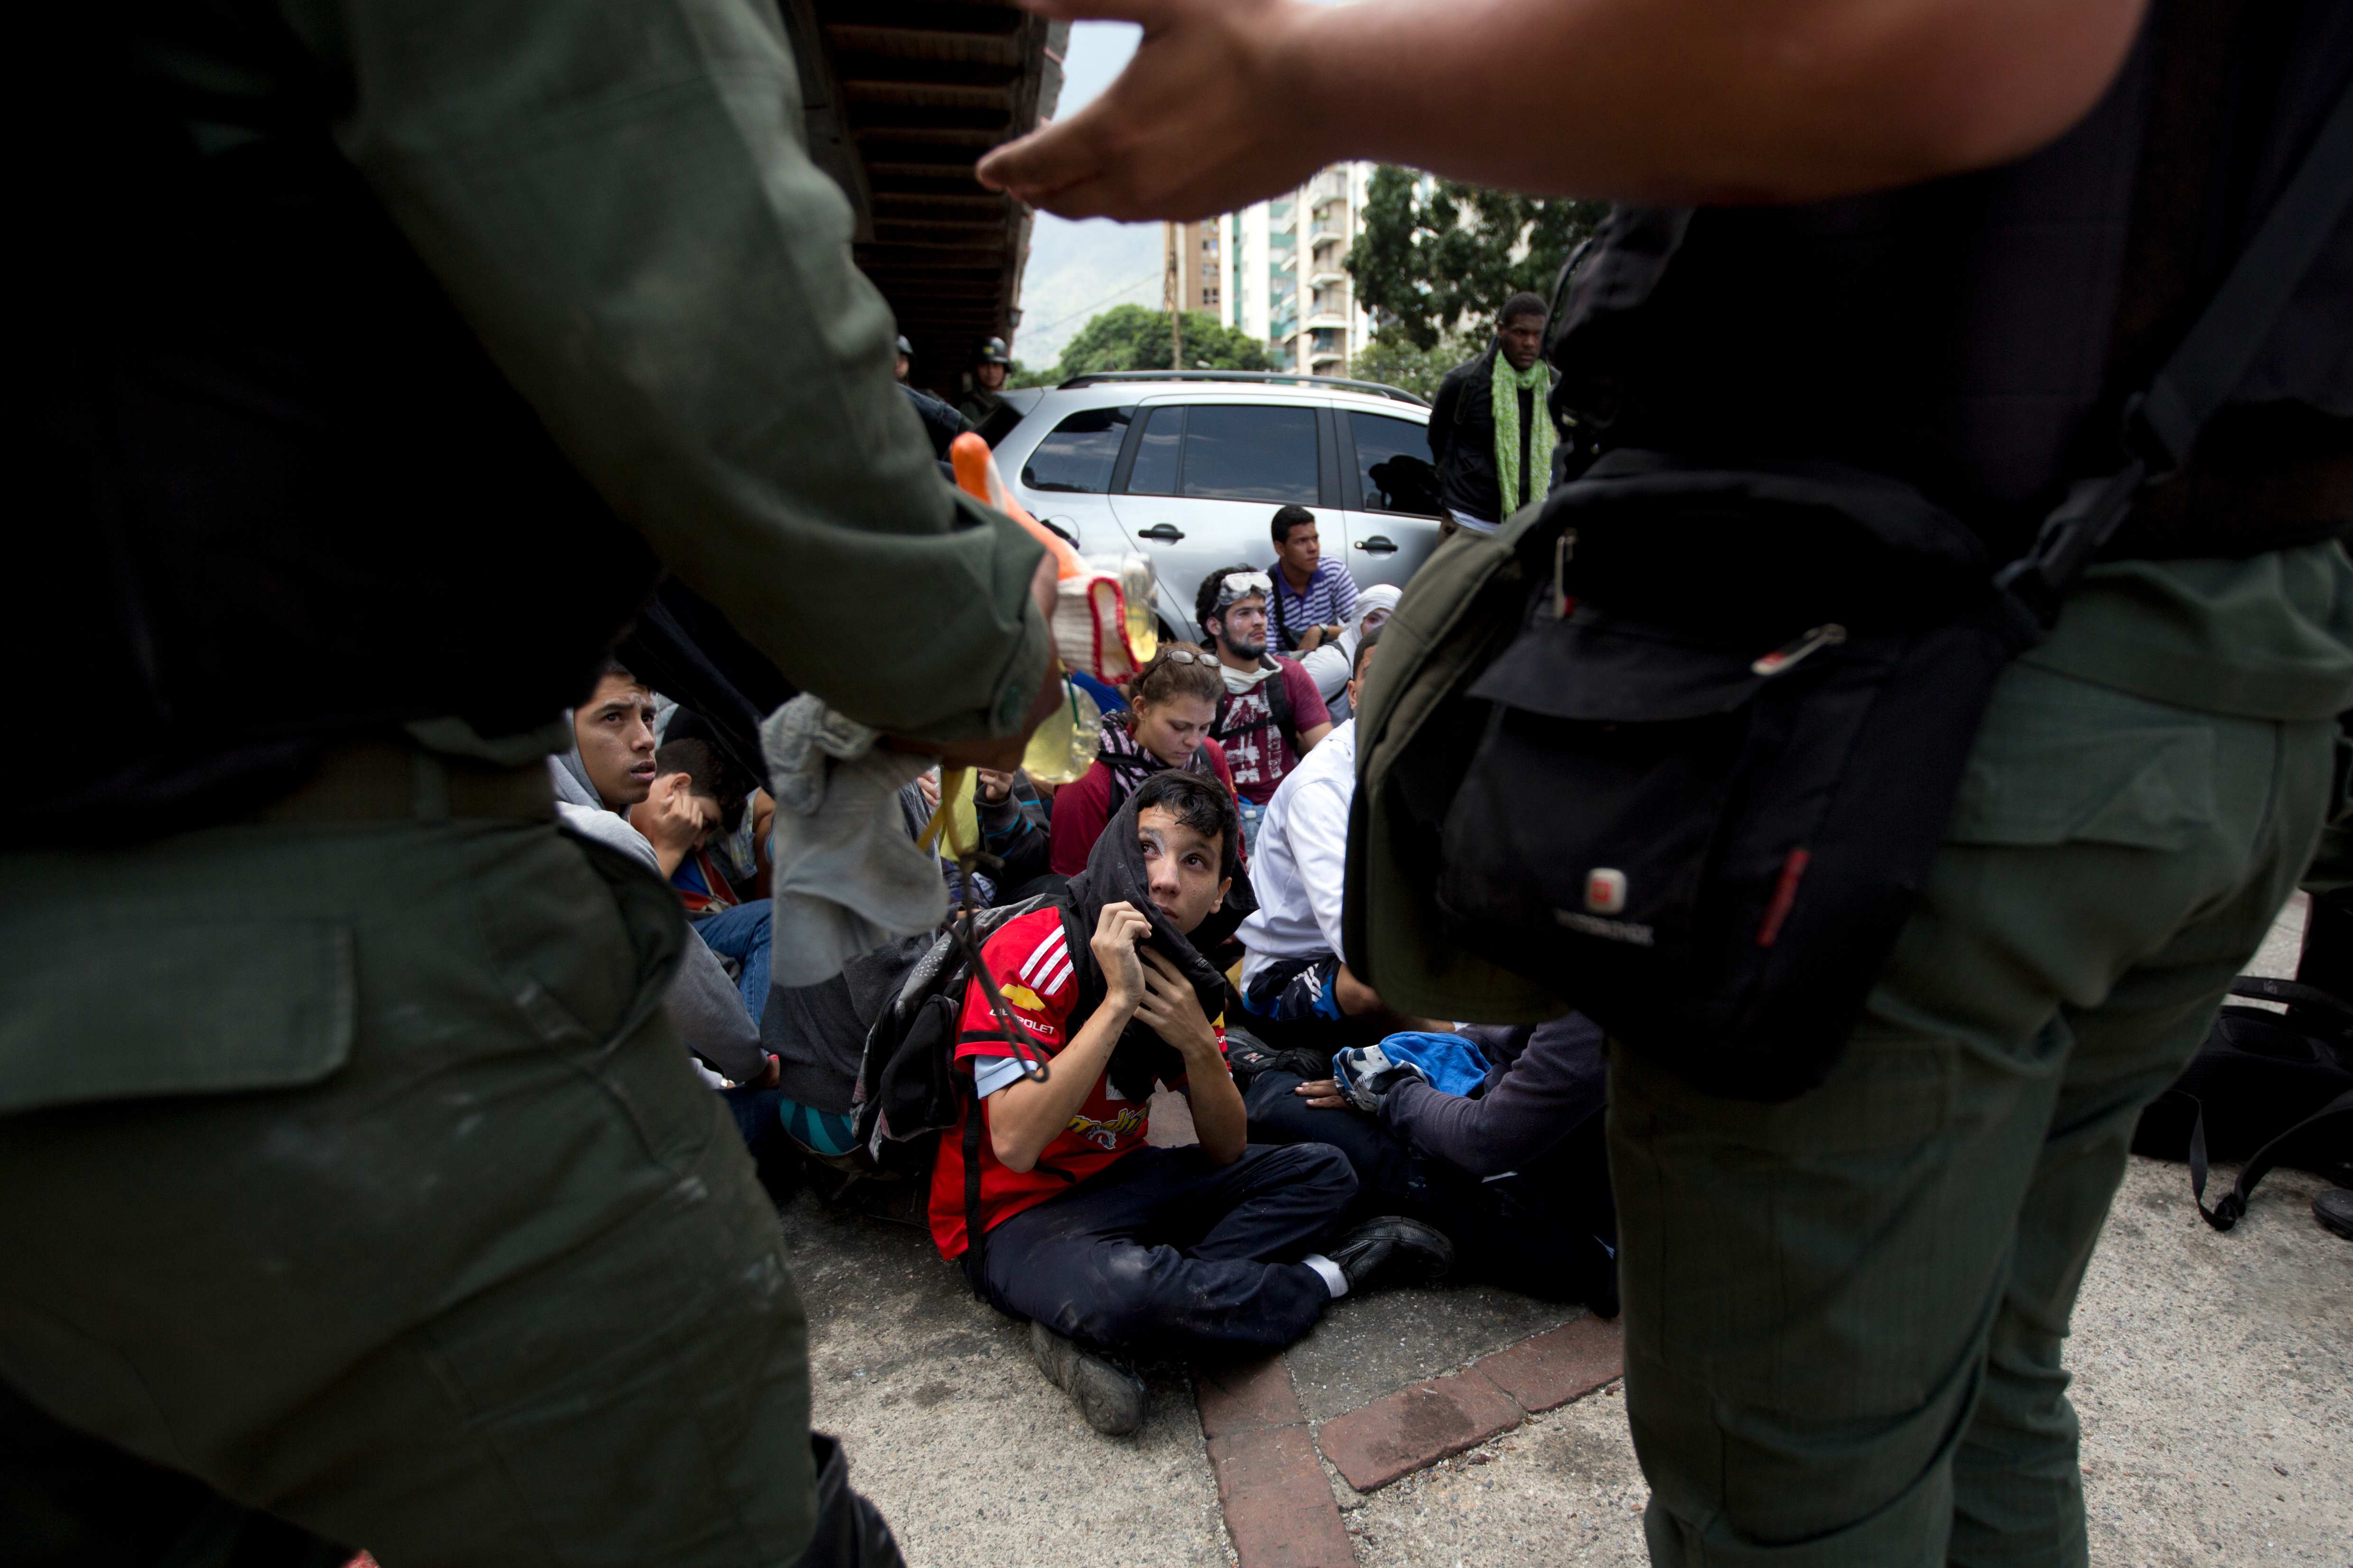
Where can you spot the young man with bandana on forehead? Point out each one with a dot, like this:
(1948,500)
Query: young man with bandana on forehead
(1271,714)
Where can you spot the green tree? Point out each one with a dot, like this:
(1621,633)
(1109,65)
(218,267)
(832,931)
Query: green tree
(1444,258)
(1391,357)
(1130,337)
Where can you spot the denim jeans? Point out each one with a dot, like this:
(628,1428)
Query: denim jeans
(742,934)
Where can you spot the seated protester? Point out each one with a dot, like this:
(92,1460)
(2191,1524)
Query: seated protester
(1312,597)
(681,809)
(740,845)
(1172,702)
(1001,805)
(1515,1173)
(1331,665)
(613,752)
(1295,987)
(1015,826)
(1271,714)
(1111,1247)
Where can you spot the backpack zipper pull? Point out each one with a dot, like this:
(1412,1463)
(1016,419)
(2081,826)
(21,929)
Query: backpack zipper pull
(1790,652)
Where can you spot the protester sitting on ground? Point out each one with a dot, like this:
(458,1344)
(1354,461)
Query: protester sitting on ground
(1313,598)
(681,809)
(612,749)
(1271,714)
(1332,665)
(1012,831)
(1490,428)
(1172,704)
(1295,987)
(1110,1247)
(1515,1173)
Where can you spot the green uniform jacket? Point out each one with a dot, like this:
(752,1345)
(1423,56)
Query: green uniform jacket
(619,201)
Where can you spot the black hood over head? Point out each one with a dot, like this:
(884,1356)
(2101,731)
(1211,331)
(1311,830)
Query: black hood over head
(1114,873)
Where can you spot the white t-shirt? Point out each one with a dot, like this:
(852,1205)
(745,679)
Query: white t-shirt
(1299,868)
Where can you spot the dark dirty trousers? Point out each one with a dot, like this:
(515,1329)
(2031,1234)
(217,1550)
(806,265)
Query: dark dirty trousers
(1168,1254)
(1843,1313)
(353,1172)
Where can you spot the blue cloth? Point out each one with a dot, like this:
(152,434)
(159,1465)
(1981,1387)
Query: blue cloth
(742,934)
(1107,698)
(1452,1064)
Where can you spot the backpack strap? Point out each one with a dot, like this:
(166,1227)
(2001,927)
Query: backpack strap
(2295,994)
(1278,702)
(976,1240)
(2161,424)
(2232,1204)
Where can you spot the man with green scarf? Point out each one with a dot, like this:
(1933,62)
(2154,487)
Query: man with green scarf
(1489,429)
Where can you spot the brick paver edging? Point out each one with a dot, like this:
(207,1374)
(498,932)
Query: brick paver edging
(1280,1512)
(1278,1508)
(1415,1428)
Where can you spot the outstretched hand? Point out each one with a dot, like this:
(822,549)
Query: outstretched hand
(1208,117)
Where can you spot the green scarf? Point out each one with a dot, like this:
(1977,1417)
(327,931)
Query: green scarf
(1508,383)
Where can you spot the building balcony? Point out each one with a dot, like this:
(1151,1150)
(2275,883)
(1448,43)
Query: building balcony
(1325,232)
(1327,275)
(1328,317)
(1325,361)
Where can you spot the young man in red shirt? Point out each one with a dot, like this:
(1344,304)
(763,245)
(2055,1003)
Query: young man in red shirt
(1104,1244)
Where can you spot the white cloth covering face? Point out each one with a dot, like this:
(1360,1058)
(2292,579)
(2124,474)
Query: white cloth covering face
(1331,665)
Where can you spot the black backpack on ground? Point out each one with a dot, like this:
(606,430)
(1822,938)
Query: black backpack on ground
(2268,1088)
(908,1084)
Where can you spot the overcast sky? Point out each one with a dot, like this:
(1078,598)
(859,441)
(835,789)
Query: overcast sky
(1077,270)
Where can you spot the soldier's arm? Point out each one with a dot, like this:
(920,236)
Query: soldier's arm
(617,198)
(1659,100)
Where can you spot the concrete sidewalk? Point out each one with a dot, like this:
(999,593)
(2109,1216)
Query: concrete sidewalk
(2214,1376)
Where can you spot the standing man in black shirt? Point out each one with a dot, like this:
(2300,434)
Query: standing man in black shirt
(1489,429)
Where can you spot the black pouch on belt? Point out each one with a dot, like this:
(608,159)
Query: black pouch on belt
(1703,819)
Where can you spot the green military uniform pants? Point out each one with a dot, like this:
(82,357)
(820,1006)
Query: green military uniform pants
(355,1171)
(1844,1314)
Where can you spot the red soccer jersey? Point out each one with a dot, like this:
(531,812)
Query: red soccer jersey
(1035,972)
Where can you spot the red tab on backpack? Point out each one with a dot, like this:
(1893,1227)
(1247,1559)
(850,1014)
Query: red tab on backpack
(1785,893)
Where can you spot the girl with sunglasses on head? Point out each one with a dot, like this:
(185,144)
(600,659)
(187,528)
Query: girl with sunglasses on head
(1172,702)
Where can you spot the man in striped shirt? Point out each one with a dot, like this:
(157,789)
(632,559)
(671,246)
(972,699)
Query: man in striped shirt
(1312,597)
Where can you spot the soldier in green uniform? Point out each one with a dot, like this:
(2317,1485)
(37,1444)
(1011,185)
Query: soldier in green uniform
(350,1174)
(1952,240)
(989,369)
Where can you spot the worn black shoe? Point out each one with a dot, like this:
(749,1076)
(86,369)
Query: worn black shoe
(1110,1396)
(1393,1250)
(2333,1208)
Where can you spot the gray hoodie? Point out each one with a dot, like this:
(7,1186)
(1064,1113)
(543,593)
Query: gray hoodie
(703,1003)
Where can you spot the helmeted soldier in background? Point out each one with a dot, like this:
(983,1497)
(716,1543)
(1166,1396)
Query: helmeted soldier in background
(989,368)
(349,1172)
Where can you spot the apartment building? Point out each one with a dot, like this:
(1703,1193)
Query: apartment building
(1275,270)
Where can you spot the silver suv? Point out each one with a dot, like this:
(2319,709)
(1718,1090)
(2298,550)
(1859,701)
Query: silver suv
(1188,468)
